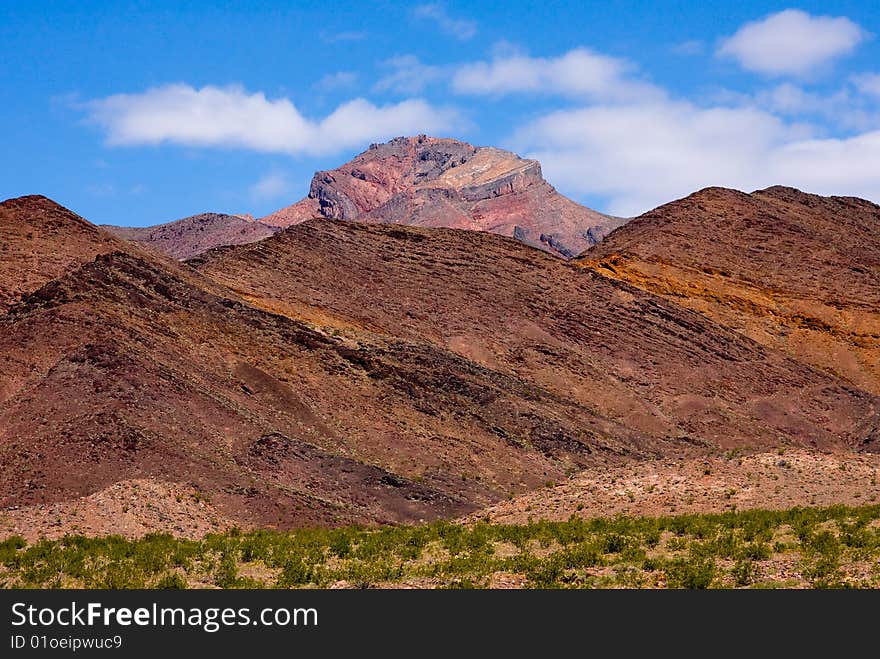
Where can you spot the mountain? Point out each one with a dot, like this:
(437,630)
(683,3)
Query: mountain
(193,235)
(434,182)
(793,271)
(40,240)
(344,372)
(130,366)
(667,374)
(121,370)
(421,181)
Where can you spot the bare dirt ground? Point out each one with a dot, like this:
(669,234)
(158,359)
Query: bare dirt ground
(130,508)
(771,480)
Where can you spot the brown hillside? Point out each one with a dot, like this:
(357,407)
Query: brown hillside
(130,367)
(624,354)
(342,372)
(793,271)
(40,240)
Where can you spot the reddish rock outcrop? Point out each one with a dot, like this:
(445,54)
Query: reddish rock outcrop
(433,182)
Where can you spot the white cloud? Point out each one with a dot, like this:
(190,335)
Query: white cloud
(270,186)
(232,117)
(459,28)
(638,156)
(336,81)
(791,42)
(579,72)
(841,106)
(789,98)
(407,75)
(633,146)
(851,106)
(845,166)
(868,83)
(503,48)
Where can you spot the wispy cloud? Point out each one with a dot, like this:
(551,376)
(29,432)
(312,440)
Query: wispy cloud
(101,189)
(868,83)
(335,81)
(850,106)
(638,154)
(792,42)
(407,75)
(579,72)
(690,48)
(271,186)
(232,117)
(460,28)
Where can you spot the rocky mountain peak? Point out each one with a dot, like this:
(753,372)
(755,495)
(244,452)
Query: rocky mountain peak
(441,182)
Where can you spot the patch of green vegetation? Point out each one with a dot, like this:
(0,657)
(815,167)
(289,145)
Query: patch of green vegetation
(801,547)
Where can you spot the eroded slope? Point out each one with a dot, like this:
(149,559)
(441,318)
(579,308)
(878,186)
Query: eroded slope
(627,355)
(797,272)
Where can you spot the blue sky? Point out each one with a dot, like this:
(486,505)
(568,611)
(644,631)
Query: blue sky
(144,112)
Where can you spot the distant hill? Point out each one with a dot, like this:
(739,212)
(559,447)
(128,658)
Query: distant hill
(419,181)
(193,235)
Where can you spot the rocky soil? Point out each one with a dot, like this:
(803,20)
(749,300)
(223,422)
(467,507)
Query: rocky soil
(40,241)
(131,509)
(776,480)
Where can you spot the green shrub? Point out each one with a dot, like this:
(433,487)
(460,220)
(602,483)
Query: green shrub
(613,543)
(583,555)
(9,549)
(745,572)
(755,551)
(226,575)
(691,573)
(829,541)
(824,572)
(547,574)
(340,545)
(294,573)
(171,581)
(651,537)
